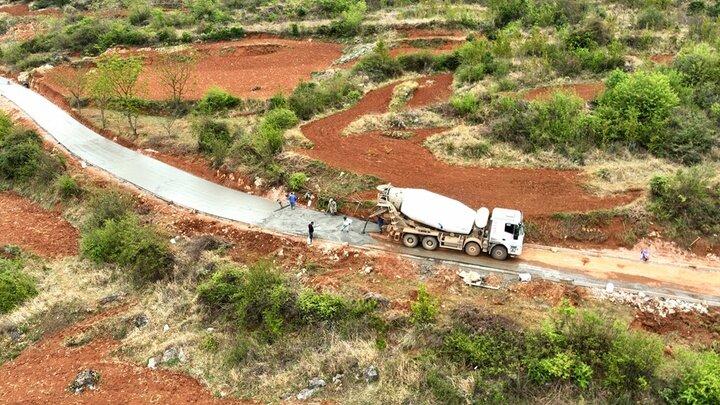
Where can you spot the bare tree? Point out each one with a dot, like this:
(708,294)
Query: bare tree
(121,75)
(75,80)
(175,71)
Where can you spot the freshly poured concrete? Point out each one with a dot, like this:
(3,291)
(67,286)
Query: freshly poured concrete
(172,184)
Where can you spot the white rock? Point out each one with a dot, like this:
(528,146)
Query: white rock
(152,362)
(166,328)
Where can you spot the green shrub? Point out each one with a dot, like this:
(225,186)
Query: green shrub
(6,125)
(466,103)
(20,154)
(350,20)
(257,298)
(211,133)
(280,118)
(697,379)
(140,14)
(128,244)
(309,99)
(379,65)
(67,187)
(278,100)
(689,136)
(632,361)
(207,10)
(492,353)
(591,33)
(699,64)
(297,181)
(443,389)
(652,18)
(475,61)
(331,308)
(222,33)
(268,140)
(425,308)
(689,201)
(217,100)
(105,206)
(507,11)
(417,62)
(635,107)
(16,287)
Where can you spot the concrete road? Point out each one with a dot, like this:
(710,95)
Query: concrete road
(187,190)
(172,184)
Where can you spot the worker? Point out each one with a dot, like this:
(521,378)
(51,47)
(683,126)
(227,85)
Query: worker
(332,207)
(645,254)
(292,199)
(380,222)
(346,224)
(309,198)
(311,231)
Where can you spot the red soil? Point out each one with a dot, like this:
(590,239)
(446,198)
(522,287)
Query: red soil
(247,68)
(43,372)
(663,58)
(586,91)
(691,326)
(416,33)
(19,10)
(406,47)
(406,163)
(33,228)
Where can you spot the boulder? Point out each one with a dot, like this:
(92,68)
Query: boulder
(86,379)
(371,374)
(305,394)
(316,382)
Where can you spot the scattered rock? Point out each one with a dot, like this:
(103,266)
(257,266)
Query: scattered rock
(305,394)
(380,300)
(111,298)
(140,320)
(337,379)
(15,334)
(166,328)
(367,269)
(316,382)
(371,374)
(152,362)
(660,306)
(172,354)
(86,379)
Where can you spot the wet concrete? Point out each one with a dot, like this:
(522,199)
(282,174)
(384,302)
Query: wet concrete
(172,184)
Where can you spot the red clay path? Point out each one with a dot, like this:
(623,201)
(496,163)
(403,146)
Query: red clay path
(35,229)
(586,91)
(43,372)
(406,163)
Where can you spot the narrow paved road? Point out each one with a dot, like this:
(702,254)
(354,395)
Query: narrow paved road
(187,190)
(170,183)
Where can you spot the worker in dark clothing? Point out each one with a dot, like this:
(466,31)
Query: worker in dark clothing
(311,230)
(380,222)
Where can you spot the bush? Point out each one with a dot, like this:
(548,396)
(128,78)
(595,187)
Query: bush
(636,106)
(105,206)
(631,363)
(507,11)
(688,201)
(475,61)
(20,154)
(268,140)
(297,181)
(698,379)
(699,64)
(222,33)
(350,20)
(492,353)
(67,187)
(16,287)
(6,125)
(217,100)
(465,104)
(379,65)
(128,244)
(207,10)
(278,100)
(419,62)
(257,298)
(689,136)
(280,118)
(140,14)
(309,99)
(425,308)
(652,18)
(212,134)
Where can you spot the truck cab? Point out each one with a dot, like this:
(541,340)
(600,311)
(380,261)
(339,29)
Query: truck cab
(506,233)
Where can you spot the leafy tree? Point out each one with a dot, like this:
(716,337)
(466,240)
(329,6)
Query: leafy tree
(100,89)
(120,76)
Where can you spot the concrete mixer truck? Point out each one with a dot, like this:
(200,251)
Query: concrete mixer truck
(420,217)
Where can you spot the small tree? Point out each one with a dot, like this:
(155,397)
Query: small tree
(75,80)
(175,71)
(101,92)
(121,75)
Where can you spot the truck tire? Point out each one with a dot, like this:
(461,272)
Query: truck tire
(499,252)
(472,249)
(410,240)
(429,243)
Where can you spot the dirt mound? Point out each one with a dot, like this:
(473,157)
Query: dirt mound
(691,326)
(19,10)
(550,292)
(586,91)
(33,228)
(663,58)
(407,163)
(247,68)
(42,373)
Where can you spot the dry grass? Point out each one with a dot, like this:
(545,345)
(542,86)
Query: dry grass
(394,121)
(401,94)
(623,171)
(469,146)
(294,138)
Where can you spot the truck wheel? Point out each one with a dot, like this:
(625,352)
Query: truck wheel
(410,240)
(472,249)
(499,252)
(430,243)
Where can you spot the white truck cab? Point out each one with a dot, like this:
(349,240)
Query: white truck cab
(506,228)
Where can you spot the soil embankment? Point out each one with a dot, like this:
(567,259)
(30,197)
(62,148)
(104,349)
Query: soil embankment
(33,228)
(586,91)
(407,163)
